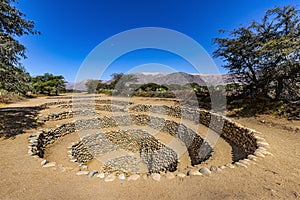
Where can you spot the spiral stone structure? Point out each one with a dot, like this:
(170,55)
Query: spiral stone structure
(128,139)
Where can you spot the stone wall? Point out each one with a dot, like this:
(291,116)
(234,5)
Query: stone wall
(199,150)
(39,141)
(80,153)
(89,102)
(82,113)
(156,156)
(232,132)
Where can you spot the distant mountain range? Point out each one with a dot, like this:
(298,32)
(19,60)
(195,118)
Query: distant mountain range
(179,78)
(182,78)
(79,86)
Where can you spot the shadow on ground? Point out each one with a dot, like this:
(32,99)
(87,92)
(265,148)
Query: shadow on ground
(14,121)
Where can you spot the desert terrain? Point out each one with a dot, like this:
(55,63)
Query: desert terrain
(275,176)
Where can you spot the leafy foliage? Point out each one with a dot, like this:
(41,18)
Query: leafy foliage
(117,86)
(93,85)
(153,87)
(265,55)
(48,83)
(120,83)
(13,77)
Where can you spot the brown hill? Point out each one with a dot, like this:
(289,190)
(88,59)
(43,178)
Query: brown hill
(179,78)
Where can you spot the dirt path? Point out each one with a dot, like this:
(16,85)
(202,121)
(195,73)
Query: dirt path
(273,177)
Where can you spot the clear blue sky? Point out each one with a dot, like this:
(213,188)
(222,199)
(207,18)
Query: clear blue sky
(72,28)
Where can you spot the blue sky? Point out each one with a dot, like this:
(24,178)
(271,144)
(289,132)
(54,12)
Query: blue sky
(71,29)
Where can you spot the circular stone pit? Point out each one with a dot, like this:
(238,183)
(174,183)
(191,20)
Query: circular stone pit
(147,156)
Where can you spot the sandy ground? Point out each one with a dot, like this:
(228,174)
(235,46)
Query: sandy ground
(272,177)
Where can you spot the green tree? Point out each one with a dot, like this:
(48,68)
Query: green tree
(48,83)
(116,77)
(153,87)
(13,77)
(93,86)
(264,55)
(120,83)
(280,50)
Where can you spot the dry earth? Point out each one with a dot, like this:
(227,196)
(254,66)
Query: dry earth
(22,177)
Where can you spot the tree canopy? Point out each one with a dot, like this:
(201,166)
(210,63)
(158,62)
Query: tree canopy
(120,82)
(48,83)
(265,55)
(153,87)
(12,25)
(94,85)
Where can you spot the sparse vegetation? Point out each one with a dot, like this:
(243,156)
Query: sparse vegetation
(264,55)
(13,77)
(91,146)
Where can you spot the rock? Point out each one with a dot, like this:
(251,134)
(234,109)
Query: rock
(133,177)
(110,178)
(33,144)
(261,149)
(84,167)
(156,176)
(30,152)
(205,171)
(36,157)
(266,153)
(256,133)
(93,173)
(82,173)
(194,173)
(170,175)
(231,166)
(42,119)
(260,139)
(215,169)
(50,164)
(223,167)
(239,164)
(252,157)
(33,139)
(101,175)
(259,154)
(245,162)
(121,177)
(44,162)
(263,144)
(181,175)
(33,135)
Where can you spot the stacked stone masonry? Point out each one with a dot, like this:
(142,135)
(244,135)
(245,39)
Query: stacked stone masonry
(199,150)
